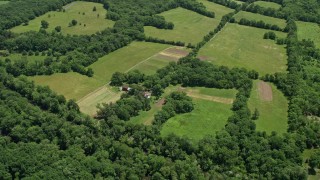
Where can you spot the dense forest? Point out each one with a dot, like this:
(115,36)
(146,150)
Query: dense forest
(45,136)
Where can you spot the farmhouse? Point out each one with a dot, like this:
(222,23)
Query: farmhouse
(147,94)
(125,88)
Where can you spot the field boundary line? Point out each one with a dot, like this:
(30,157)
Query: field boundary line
(145,60)
(219,31)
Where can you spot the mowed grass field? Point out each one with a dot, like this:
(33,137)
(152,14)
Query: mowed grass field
(91,91)
(189,27)
(268,4)
(207,118)
(80,11)
(243,46)
(273,112)
(76,86)
(310,31)
(257,17)
(218,9)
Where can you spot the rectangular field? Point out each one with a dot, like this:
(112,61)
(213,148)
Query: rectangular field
(89,21)
(243,46)
(272,106)
(310,31)
(189,27)
(257,17)
(268,4)
(18,57)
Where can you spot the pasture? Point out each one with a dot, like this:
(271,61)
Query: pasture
(89,21)
(18,57)
(218,9)
(189,27)
(268,4)
(272,106)
(310,31)
(207,118)
(243,46)
(257,17)
(91,91)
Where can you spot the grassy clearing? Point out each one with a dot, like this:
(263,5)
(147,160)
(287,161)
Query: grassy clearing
(90,22)
(76,86)
(218,9)
(268,4)
(189,27)
(124,59)
(243,46)
(4,2)
(206,119)
(257,17)
(273,114)
(17,57)
(310,31)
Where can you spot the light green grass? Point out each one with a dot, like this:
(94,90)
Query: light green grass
(257,17)
(124,59)
(90,19)
(189,27)
(310,31)
(16,57)
(151,66)
(225,93)
(268,4)
(75,86)
(206,119)
(4,2)
(243,46)
(218,9)
(273,114)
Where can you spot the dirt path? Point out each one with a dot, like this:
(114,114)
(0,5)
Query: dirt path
(210,98)
(265,91)
(66,7)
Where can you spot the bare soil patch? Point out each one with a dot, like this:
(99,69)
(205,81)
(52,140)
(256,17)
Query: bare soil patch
(265,91)
(174,53)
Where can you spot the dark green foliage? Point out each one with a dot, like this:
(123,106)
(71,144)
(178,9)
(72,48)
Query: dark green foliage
(259,24)
(270,35)
(314,161)
(58,28)
(44,24)
(255,114)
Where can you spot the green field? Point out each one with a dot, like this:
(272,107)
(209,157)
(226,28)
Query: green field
(218,9)
(17,57)
(120,60)
(3,2)
(189,27)
(257,17)
(273,114)
(310,31)
(243,46)
(268,4)
(90,22)
(206,119)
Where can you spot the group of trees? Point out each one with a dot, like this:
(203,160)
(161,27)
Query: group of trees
(259,24)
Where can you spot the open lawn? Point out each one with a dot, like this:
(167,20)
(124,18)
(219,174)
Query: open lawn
(218,9)
(257,17)
(268,4)
(310,31)
(82,88)
(272,106)
(206,119)
(189,26)
(3,2)
(89,21)
(243,46)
